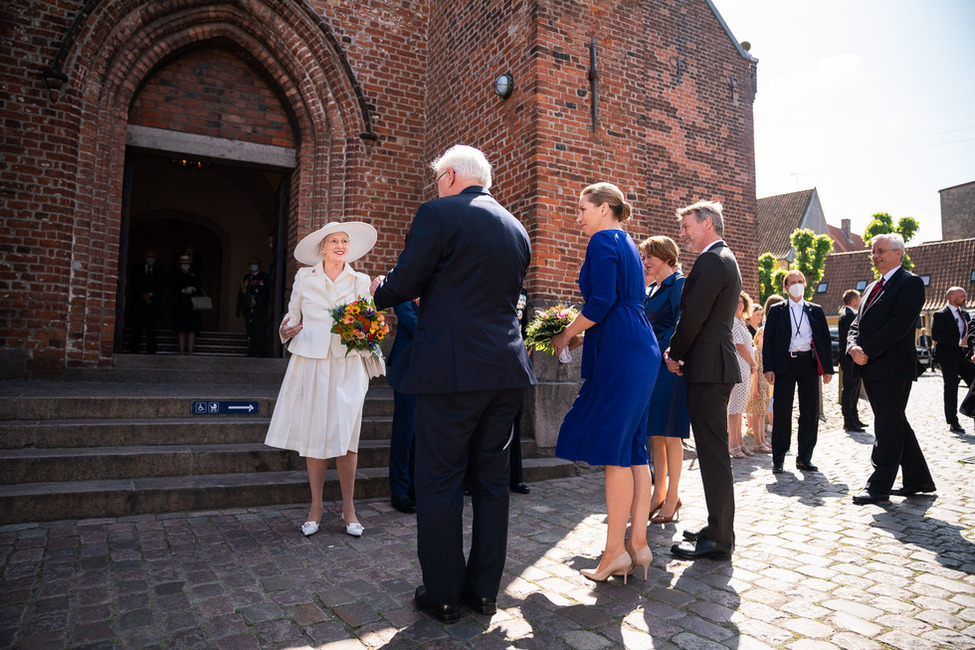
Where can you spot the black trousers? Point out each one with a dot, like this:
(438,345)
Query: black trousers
(458,434)
(801,373)
(954,367)
(144,320)
(895,444)
(850,395)
(708,407)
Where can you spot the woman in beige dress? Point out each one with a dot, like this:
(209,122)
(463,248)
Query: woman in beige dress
(318,412)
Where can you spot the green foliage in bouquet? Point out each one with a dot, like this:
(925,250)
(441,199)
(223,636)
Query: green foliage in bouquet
(546,324)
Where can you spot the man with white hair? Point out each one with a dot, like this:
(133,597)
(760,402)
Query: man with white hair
(950,329)
(881,342)
(465,259)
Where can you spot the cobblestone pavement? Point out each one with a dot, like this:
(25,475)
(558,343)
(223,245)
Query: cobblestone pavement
(811,570)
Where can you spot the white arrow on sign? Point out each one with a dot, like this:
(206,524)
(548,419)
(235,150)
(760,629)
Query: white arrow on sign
(249,407)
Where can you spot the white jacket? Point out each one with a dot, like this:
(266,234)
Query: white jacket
(313,296)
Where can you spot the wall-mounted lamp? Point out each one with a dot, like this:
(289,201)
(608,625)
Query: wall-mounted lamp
(504,85)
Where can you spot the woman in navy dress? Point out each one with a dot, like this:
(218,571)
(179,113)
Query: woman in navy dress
(669,420)
(620,359)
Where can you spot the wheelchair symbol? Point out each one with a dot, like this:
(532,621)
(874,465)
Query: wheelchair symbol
(200,407)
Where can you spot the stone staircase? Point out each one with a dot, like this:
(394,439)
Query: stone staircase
(123,441)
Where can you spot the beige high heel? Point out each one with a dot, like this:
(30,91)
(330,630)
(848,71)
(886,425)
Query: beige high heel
(643,558)
(620,564)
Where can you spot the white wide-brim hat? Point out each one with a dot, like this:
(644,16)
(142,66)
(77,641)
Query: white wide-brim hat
(362,237)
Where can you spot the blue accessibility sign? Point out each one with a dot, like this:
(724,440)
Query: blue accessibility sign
(225,408)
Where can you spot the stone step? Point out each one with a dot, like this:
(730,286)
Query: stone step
(53,501)
(176,369)
(205,343)
(31,465)
(379,402)
(49,434)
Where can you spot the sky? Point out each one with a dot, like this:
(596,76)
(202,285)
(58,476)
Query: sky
(872,102)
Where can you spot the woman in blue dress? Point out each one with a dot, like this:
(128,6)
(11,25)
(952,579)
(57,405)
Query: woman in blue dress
(607,424)
(669,420)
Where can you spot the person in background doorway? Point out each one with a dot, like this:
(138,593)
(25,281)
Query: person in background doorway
(253,300)
(146,283)
(187,321)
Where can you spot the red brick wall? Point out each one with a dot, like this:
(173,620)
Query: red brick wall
(425,70)
(213,92)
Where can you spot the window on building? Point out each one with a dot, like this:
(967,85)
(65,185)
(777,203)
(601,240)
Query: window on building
(926,279)
(861,285)
(822,287)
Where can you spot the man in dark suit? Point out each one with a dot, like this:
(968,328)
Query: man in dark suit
(465,258)
(702,350)
(401,450)
(146,282)
(797,350)
(950,329)
(881,342)
(850,393)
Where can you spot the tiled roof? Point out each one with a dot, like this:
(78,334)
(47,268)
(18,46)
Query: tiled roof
(948,263)
(843,245)
(777,218)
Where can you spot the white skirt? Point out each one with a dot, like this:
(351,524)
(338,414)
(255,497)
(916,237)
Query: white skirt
(318,412)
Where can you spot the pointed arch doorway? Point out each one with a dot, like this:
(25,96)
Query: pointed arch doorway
(224,213)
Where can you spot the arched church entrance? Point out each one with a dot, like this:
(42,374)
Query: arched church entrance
(237,126)
(222,215)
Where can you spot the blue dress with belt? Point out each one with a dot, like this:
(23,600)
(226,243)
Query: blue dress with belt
(668,404)
(620,359)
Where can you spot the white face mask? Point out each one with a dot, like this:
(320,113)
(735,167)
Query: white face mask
(150,261)
(253,268)
(797,290)
(184,267)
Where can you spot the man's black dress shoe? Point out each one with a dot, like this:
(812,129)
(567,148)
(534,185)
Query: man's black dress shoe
(692,535)
(867,496)
(909,492)
(956,428)
(426,604)
(486,606)
(862,425)
(777,468)
(703,549)
(855,428)
(520,488)
(403,503)
(805,466)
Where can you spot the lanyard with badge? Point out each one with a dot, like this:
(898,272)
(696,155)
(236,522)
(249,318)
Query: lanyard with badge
(802,313)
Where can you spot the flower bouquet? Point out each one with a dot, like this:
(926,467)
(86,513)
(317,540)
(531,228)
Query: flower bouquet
(545,325)
(360,326)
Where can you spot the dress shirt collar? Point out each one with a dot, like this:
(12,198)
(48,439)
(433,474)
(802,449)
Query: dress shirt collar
(889,274)
(712,245)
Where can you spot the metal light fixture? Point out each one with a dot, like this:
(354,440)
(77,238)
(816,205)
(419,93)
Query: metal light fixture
(504,85)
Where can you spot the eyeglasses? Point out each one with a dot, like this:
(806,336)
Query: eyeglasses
(437,182)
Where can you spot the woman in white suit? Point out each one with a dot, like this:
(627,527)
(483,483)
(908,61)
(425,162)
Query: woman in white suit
(319,408)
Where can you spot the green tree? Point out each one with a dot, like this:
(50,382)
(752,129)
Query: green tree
(883,224)
(811,252)
(766,286)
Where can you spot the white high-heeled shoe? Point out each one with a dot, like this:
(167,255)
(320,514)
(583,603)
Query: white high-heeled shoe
(355,528)
(309,528)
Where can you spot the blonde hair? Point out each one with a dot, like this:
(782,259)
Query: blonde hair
(661,247)
(599,193)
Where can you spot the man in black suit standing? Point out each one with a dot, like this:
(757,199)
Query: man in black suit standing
(881,342)
(147,282)
(797,351)
(703,352)
(850,393)
(465,258)
(949,329)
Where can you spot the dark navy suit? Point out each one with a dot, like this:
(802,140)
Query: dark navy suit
(850,394)
(401,471)
(465,258)
(884,328)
